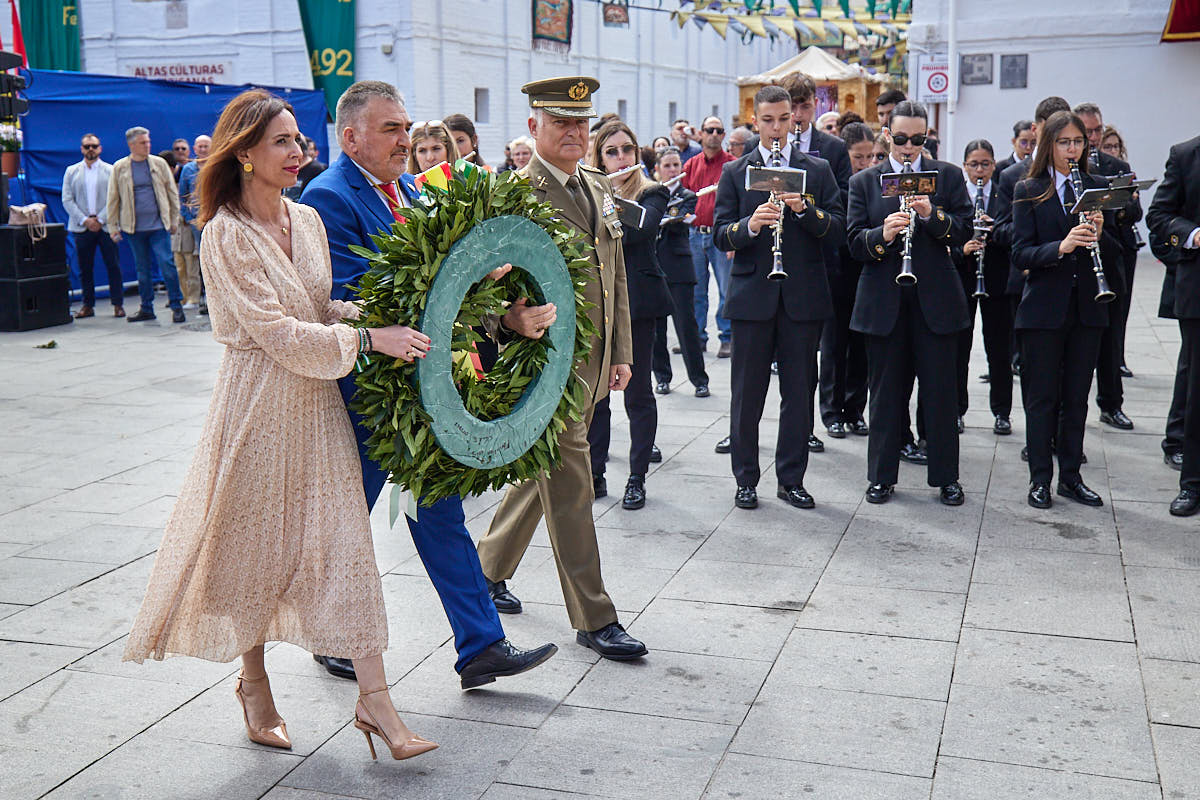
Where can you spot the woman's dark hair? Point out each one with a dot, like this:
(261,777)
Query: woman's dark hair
(771,94)
(1043,155)
(890,96)
(847,117)
(461,123)
(910,108)
(855,132)
(650,157)
(978,144)
(242,125)
(666,151)
(1020,126)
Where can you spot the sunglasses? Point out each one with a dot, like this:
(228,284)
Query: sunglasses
(880,156)
(91,147)
(917,139)
(714,130)
(613,152)
(433,123)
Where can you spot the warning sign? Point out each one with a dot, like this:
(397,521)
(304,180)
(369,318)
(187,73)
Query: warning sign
(933,79)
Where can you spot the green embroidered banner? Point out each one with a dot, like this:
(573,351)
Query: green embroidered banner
(51,31)
(329,28)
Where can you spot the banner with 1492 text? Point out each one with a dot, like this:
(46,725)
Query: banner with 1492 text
(329,33)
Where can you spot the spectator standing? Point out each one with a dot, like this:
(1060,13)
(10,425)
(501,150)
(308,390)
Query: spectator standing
(683,136)
(188,263)
(521,150)
(704,171)
(736,143)
(84,192)
(181,155)
(143,204)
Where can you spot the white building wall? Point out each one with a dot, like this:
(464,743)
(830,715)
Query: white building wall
(1104,51)
(439,53)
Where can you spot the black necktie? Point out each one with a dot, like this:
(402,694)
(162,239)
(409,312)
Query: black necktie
(1068,196)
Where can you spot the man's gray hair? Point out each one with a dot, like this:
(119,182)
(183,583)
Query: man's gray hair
(1087,108)
(739,134)
(352,102)
(135,132)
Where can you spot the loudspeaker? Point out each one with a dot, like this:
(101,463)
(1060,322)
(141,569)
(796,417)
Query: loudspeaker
(21,257)
(34,303)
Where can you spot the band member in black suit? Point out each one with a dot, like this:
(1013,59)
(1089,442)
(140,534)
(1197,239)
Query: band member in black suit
(675,259)
(911,328)
(1059,320)
(1024,138)
(775,319)
(843,351)
(1172,443)
(613,149)
(1110,394)
(995,309)
(1174,221)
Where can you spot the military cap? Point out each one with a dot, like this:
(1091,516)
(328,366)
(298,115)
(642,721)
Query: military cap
(563,97)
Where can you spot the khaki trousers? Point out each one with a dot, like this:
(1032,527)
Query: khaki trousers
(188,267)
(565,497)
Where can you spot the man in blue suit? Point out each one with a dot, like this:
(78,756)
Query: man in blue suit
(363,193)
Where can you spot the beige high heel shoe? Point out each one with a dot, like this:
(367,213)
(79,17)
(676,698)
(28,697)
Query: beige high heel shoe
(274,736)
(413,746)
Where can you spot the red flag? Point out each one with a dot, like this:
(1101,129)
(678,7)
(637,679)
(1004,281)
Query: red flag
(18,39)
(1183,21)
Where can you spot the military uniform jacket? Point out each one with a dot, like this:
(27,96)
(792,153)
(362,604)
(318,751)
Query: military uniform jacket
(939,289)
(805,294)
(607,290)
(1174,214)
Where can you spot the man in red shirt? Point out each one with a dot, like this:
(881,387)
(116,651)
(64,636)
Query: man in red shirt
(704,171)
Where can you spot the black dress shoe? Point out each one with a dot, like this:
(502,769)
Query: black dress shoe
(662,387)
(1002,426)
(914,454)
(836,430)
(1173,460)
(702,390)
(858,427)
(1079,493)
(140,316)
(655,454)
(612,642)
(952,494)
(506,602)
(985,378)
(725,350)
(961,425)
(204,309)
(599,486)
(880,493)
(1039,495)
(1186,503)
(1116,419)
(796,495)
(1025,453)
(746,497)
(635,493)
(722,446)
(1126,372)
(501,660)
(337,667)
(178,316)
(815,445)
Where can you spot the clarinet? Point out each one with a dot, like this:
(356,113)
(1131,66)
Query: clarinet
(906,276)
(1103,293)
(981,234)
(777,272)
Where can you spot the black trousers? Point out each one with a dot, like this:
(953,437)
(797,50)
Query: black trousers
(997,343)
(639,407)
(85,249)
(1126,301)
(1173,439)
(912,349)
(756,344)
(843,362)
(1190,477)
(1110,392)
(1056,377)
(683,315)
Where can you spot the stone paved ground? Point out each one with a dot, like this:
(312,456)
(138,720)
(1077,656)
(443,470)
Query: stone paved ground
(854,651)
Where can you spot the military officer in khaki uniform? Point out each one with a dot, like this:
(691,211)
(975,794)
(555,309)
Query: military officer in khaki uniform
(561,108)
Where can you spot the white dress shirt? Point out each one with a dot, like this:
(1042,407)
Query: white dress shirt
(91,176)
(375,183)
(974,190)
(785,147)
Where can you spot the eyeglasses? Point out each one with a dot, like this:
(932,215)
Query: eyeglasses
(91,147)
(180,149)
(902,139)
(1065,143)
(613,152)
(830,126)
(714,130)
(978,164)
(1094,131)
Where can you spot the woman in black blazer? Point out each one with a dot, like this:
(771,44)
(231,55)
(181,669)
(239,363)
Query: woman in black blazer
(616,148)
(1059,321)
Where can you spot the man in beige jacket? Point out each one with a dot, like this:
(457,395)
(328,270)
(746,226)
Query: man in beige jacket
(143,204)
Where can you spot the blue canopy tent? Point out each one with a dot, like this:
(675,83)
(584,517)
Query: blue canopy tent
(65,105)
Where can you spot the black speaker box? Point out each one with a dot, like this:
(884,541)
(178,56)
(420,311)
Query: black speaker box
(34,303)
(21,257)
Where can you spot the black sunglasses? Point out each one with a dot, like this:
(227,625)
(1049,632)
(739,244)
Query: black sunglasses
(714,130)
(917,139)
(91,147)
(880,156)
(612,152)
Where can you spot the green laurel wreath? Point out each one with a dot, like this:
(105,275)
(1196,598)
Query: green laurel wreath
(393,292)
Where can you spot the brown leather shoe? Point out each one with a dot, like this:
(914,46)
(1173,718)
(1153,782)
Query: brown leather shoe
(85,311)
(118,311)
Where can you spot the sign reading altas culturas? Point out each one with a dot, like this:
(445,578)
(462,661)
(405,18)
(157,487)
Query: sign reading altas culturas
(329,34)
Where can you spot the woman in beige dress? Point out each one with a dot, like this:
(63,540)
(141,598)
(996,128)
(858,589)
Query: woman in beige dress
(270,538)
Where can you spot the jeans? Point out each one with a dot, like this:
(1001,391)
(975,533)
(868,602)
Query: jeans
(150,247)
(86,243)
(703,254)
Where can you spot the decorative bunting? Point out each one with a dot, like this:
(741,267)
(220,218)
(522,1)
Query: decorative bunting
(719,22)
(754,23)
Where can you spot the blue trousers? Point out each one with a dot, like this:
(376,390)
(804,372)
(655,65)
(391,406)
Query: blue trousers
(150,249)
(445,547)
(704,252)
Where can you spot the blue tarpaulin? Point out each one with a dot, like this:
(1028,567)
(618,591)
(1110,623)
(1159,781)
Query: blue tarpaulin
(63,106)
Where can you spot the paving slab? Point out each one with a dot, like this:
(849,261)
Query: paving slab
(967,779)
(1151,537)
(27,581)
(1177,748)
(891,612)
(1166,612)
(1172,691)
(717,629)
(899,553)
(100,544)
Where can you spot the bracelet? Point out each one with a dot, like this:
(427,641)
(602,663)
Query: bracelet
(370,341)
